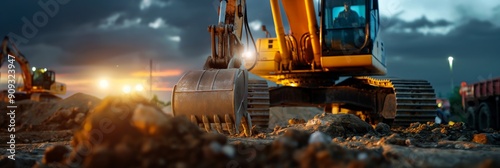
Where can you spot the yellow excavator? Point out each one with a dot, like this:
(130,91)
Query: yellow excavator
(327,39)
(39,84)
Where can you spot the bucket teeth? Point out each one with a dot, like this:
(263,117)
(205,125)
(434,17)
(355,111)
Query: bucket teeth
(206,123)
(229,124)
(245,123)
(218,125)
(194,120)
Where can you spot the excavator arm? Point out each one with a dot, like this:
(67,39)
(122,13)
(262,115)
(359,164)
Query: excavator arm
(8,48)
(219,95)
(226,35)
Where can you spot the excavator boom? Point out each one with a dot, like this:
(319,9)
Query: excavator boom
(9,48)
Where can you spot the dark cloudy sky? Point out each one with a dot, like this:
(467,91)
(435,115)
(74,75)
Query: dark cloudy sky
(85,41)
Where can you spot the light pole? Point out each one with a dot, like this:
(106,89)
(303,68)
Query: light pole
(450,60)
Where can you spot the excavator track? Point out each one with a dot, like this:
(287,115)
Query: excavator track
(258,102)
(415,100)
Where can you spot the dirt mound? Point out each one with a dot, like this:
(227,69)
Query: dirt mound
(70,112)
(26,114)
(130,132)
(279,116)
(79,100)
(339,125)
(64,114)
(299,148)
(431,132)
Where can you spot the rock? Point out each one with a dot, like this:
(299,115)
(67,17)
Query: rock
(486,138)
(79,118)
(332,130)
(148,119)
(319,137)
(480,138)
(276,130)
(444,131)
(55,153)
(414,125)
(313,155)
(6,162)
(261,136)
(462,138)
(383,128)
(280,115)
(301,137)
(356,138)
(64,113)
(229,151)
(394,139)
(338,139)
(410,142)
(459,126)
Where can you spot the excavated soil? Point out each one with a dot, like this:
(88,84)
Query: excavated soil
(127,131)
(54,115)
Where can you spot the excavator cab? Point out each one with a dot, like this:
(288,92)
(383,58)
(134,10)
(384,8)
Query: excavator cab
(344,27)
(350,28)
(44,85)
(43,78)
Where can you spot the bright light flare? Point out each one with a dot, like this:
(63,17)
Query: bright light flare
(139,88)
(127,89)
(247,54)
(103,84)
(450,60)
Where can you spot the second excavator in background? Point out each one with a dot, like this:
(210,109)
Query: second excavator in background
(39,84)
(328,39)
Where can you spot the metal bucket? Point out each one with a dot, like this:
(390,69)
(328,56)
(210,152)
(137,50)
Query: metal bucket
(210,94)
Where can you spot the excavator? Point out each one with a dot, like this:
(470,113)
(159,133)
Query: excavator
(327,40)
(38,83)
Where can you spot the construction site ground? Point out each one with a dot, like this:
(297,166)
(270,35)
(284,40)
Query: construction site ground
(127,131)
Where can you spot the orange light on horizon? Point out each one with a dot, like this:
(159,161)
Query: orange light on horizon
(162,89)
(163,73)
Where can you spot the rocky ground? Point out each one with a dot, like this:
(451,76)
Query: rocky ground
(83,131)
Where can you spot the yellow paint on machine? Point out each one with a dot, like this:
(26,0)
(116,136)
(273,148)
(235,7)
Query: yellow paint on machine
(346,61)
(349,61)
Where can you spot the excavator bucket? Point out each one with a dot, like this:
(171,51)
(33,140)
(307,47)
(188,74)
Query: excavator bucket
(214,98)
